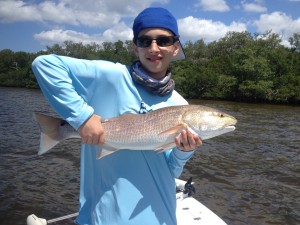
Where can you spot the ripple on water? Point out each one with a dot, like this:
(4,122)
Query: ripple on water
(249,176)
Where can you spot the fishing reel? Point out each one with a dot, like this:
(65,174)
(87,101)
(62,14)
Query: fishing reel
(189,188)
(185,189)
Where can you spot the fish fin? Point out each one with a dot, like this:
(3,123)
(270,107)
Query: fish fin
(174,130)
(50,135)
(105,151)
(46,143)
(165,147)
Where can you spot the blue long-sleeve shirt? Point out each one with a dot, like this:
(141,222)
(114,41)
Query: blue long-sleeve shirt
(126,187)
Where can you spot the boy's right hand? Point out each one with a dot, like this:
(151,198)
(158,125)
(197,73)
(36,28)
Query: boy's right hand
(92,131)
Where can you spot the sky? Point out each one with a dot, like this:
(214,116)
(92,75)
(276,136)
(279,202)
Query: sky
(32,25)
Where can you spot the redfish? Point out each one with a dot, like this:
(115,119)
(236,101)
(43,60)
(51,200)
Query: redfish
(155,130)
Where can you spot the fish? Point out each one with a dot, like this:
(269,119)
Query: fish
(155,130)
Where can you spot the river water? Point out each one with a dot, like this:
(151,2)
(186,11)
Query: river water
(249,176)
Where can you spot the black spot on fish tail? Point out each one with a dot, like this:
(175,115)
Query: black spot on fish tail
(63,123)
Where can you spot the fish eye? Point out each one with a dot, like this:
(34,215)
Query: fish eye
(221,115)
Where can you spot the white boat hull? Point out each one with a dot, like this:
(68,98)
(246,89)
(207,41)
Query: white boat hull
(192,212)
(189,211)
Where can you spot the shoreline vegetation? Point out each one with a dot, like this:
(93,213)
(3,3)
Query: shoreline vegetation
(238,67)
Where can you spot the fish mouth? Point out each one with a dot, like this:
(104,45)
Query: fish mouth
(230,127)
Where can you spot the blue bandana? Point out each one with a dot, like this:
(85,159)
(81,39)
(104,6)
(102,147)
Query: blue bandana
(158,87)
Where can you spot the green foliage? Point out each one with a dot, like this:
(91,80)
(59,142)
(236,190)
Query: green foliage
(224,88)
(256,91)
(15,69)
(243,67)
(115,52)
(295,42)
(239,66)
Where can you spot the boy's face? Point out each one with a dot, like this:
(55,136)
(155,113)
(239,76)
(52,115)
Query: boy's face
(156,59)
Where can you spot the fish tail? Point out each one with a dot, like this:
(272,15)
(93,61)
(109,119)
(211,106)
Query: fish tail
(50,131)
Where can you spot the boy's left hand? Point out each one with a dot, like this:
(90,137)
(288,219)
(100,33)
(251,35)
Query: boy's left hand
(187,141)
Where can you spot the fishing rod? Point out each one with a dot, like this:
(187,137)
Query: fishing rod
(34,220)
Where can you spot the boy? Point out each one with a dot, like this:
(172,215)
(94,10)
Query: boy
(126,187)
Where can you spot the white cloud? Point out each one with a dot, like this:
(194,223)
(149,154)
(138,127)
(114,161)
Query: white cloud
(58,36)
(59,13)
(279,23)
(13,11)
(105,15)
(194,29)
(119,32)
(254,7)
(213,5)
(124,8)
(92,13)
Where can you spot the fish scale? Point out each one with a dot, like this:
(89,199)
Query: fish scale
(124,128)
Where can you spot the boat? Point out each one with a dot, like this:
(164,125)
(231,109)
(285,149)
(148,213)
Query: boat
(189,210)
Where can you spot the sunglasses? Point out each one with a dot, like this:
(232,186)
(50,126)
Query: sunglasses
(163,41)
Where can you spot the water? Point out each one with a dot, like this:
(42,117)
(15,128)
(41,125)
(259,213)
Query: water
(249,176)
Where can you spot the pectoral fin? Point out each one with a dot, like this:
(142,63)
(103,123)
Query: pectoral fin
(174,130)
(166,147)
(105,151)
